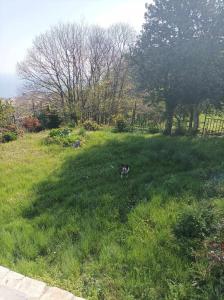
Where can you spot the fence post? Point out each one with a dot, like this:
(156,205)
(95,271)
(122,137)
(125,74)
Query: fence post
(203,130)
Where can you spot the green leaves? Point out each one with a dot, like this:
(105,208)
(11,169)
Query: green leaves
(179,52)
(6,113)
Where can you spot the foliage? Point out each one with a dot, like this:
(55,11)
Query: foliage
(67,218)
(90,125)
(9,136)
(153,130)
(31,124)
(49,119)
(10,133)
(60,132)
(194,224)
(12,128)
(6,113)
(63,136)
(120,123)
(82,132)
(181,131)
(177,38)
(211,277)
(98,58)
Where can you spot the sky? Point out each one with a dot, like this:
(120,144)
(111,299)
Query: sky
(22,20)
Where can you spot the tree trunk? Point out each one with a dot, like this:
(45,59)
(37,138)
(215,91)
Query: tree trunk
(196,120)
(191,119)
(169,119)
(134,114)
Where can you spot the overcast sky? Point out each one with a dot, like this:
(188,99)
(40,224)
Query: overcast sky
(22,20)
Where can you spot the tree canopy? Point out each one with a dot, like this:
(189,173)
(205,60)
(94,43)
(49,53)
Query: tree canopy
(6,113)
(179,53)
(82,67)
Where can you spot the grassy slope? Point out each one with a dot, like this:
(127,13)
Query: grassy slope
(66,217)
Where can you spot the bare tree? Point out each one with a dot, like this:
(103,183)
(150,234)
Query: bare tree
(83,67)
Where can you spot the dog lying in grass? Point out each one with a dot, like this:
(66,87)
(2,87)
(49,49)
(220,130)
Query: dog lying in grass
(124,170)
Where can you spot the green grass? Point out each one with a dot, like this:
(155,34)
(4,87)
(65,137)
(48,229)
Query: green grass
(67,218)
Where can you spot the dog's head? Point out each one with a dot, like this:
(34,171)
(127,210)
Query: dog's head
(124,169)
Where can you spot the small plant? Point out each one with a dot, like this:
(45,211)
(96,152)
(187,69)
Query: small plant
(82,132)
(31,124)
(194,224)
(120,124)
(9,137)
(90,125)
(65,132)
(62,136)
(192,228)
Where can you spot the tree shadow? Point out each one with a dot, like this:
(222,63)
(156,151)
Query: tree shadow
(86,204)
(161,165)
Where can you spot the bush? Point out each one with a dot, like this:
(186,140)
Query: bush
(49,119)
(82,132)
(63,136)
(12,128)
(9,136)
(120,124)
(153,130)
(65,132)
(194,224)
(192,228)
(91,125)
(31,124)
(10,133)
(179,131)
(7,111)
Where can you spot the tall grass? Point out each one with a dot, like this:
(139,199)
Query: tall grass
(67,218)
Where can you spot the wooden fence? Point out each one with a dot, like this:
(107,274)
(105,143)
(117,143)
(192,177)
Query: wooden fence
(213,126)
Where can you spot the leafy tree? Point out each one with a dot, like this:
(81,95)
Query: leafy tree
(6,113)
(179,54)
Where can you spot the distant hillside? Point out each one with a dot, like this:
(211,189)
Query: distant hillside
(10,85)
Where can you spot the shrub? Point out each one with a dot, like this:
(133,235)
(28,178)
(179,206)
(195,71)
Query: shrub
(189,226)
(192,227)
(49,119)
(194,224)
(64,132)
(31,124)
(10,133)
(120,124)
(82,131)
(9,136)
(12,128)
(7,111)
(179,131)
(153,130)
(91,125)
(63,136)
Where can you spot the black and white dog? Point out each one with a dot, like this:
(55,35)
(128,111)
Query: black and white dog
(124,170)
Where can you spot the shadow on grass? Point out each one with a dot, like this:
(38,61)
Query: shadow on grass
(85,205)
(90,179)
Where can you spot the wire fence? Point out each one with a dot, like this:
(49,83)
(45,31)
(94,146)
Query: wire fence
(211,125)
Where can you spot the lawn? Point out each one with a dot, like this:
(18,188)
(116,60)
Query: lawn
(68,218)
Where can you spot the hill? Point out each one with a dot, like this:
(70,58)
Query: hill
(68,218)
